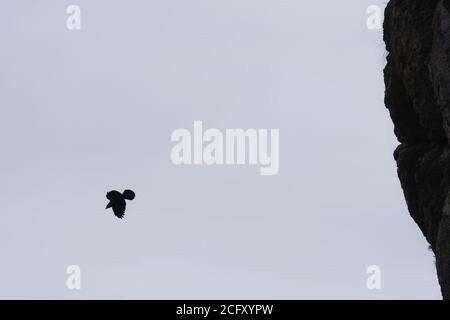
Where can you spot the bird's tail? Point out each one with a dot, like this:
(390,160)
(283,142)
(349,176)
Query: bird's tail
(128,194)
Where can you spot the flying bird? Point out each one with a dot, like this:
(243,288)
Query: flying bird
(117,201)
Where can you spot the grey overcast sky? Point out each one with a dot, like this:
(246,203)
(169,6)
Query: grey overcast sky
(86,111)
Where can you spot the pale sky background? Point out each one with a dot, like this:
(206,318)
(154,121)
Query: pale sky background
(83,112)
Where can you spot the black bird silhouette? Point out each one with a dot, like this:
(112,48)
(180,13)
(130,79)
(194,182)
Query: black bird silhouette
(117,201)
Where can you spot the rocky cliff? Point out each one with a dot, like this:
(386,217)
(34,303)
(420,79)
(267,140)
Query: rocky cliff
(417,78)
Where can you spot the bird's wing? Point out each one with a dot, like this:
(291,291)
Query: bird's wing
(119,209)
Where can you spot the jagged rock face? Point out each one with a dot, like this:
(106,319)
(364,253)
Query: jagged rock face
(417,78)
